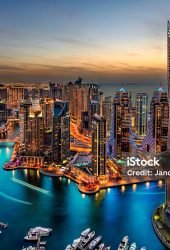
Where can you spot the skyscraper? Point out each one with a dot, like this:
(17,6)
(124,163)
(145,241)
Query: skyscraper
(157,135)
(98,145)
(61,132)
(25,107)
(107,112)
(141,113)
(167,210)
(121,142)
(168,77)
(15,95)
(32,122)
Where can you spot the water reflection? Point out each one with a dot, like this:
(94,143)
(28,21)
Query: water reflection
(134,187)
(123,189)
(160,183)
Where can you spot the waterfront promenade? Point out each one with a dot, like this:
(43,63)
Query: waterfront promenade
(86,184)
(160,227)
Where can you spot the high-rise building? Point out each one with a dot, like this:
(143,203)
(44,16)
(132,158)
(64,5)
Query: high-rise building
(157,135)
(34,141)
(32,127)
(47,105)
(98,145)
(61,132)
(55,90)
(15,95)
(25,107)
(141,113)
(107,113)
(84,101)
(3,111)
(3,92)
(168,78)
(121,142)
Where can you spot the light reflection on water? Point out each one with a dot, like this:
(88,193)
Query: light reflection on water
(112,212)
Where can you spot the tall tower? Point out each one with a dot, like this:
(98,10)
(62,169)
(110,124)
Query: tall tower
(121,142)
(141,113)
(168,77)
(61,131)
(98,145)
(156,138)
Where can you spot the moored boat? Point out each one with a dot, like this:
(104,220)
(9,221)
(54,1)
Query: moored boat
(124,243)
(133,246)
(94,243)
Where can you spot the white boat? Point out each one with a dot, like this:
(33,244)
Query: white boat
(41,230)
(124,243)
(133,246)
(87,239)
(143,248)
(85,232)
(29,248)
(107,248)
(69,247)
(33,248)
(42,243)
(94,242)
(100,247)
(0,232)
(76,243)
(31,237)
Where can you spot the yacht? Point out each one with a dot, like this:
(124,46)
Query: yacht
(29,248)
(31,237)
(41,230)
(100,247)
(87,239)
(76,243)
(124,243)
(42,243)
(133,246)
(69,247)
(85,232)
(94,243)
(107,248)
(143,248)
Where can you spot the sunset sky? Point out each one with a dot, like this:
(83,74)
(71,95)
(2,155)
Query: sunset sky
(101,40)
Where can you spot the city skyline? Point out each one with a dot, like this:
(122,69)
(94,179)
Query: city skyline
(46,41)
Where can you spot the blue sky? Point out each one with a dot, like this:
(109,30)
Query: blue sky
(103,41)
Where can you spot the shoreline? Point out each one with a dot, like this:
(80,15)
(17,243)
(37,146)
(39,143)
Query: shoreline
(158,233)
(80,187)
(123,182)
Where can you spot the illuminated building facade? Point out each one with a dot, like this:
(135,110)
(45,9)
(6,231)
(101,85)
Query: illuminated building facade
(34,141)
(107,113)
(15,95)
(168,77)
(47,105)
(141,113)
(157,135)
(84,101)
(121,142)
(98,145)
(3,111)
(25,107)
(61,132)
(55,90)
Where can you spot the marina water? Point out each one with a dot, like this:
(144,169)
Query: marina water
(28,199)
